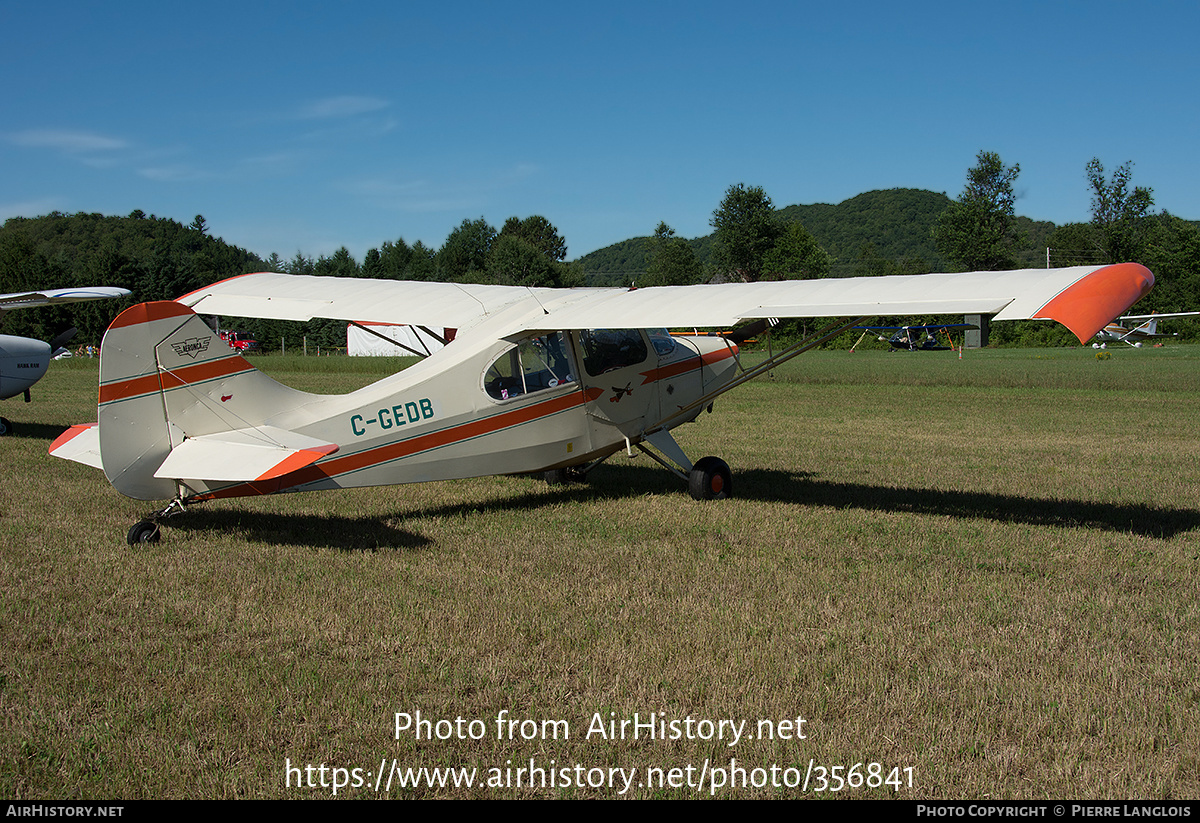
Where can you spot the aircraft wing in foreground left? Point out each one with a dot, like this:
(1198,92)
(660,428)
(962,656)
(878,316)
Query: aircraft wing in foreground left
(536,380)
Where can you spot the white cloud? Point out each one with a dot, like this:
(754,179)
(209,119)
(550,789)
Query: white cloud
(173,174)
(343,106)
(72,142)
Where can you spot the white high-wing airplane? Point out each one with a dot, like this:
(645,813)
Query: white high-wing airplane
(1118,332)
(23,360)
(536,380)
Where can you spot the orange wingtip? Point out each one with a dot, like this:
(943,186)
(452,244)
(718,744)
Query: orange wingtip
(1087,306)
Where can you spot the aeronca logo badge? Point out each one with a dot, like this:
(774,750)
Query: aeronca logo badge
(193,347)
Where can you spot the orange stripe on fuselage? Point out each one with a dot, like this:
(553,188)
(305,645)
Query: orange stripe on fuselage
(690,364)
(184,376)
(370,458)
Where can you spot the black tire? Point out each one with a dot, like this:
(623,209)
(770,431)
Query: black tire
(561,477)
(710,479)
(5,426)
(144,531)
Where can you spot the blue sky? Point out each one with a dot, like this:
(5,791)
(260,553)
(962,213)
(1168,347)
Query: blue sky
(304,127)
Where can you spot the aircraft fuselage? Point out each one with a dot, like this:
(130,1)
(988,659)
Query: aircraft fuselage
(23,362)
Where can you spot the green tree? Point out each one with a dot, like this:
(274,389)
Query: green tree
(1173,253)
(671,260)
(1118,212)
(517,262)
(300,265)
(1074,244)
(393,260)
(978,231)
(372,264)
(341,264)
(421,263)
(463,258)
(539,233)
(795,256)
(746,228)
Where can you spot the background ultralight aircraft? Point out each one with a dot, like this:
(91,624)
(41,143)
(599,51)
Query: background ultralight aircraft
(916,338)
(536,380)
(23,360)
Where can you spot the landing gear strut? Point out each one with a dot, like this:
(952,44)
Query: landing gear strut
(147,530)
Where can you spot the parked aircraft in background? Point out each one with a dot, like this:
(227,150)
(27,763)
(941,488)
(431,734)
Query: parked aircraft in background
(915,338)
(23,360)
(535,380)
(1118,332)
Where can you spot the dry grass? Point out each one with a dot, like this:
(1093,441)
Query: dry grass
(984,571)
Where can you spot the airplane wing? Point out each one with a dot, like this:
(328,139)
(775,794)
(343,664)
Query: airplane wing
(1159,316)
(303,297)
(47,297)
(1082,298)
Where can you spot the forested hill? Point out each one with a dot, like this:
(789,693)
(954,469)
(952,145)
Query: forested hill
(860,234)
(156,258)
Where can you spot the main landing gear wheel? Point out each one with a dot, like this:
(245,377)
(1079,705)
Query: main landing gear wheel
(144,531)
(710,479)
(561,477)
(5,426)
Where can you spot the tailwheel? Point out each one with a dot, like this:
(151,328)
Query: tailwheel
(144,531)
(710,479)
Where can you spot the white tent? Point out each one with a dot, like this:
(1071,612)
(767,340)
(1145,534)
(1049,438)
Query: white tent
(381,339)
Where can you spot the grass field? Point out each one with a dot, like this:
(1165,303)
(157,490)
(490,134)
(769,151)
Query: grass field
(939,578)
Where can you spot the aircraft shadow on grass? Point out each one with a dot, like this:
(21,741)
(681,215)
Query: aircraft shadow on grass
(36,431)
(774,485)
(331,531)
(379,533)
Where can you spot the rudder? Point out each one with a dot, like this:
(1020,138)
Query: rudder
(165,376)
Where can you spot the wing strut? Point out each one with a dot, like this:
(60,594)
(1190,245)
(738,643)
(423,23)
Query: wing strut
(395,342)
(812,341)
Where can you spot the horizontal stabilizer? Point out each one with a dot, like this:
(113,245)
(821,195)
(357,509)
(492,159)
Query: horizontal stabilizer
(79,443)
(243,455)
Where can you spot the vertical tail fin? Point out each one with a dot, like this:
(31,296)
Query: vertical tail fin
(165,376)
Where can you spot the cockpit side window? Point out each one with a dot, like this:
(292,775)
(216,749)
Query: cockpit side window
(662,341)
(605,350)
(534,364)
